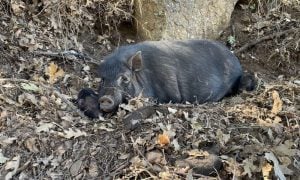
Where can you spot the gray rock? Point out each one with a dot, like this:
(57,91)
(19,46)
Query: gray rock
(184,19)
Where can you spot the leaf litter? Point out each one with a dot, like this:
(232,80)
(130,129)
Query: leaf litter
(253,135)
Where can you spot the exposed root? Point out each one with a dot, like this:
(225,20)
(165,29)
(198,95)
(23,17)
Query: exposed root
(69,55)
(271,36)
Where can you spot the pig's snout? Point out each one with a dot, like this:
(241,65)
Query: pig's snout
(107,103)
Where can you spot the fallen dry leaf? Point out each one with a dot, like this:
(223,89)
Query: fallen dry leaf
(44,127)
(197,153)
(3,114)
(171,110)
(29,42)
(176,145)
(166,176)
(17,7)
(277,103)
(72,133)
(249,167)
(26,97)
(9,101)
(45,160)
(154,157)
(30,87)
(277,169)
(30,144)
(223,138)
(75,168)
(266,170)
(124,156)
(93,169)
(286,149)
(4,140)
(168,130)
(12,166)
(105,127)
(138,162)
(54,72)
(232,166)
(3,159)
(163,139)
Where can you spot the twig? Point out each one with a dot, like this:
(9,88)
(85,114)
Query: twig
(254,42)
(178,105)
(55,91)
(19,170)
(119,169)
(67,54)
(195,175)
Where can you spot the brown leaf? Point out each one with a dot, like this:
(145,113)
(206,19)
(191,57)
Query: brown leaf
(138,162)
(69,133)
(166,175)
(163,139)
(266,170)
(277,103)
(17,7)
(3,114)
(54,72)
(198,153)
(30,144)
(154,157)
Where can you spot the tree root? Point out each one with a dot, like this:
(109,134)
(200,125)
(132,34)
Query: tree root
(70,55)
(257,41)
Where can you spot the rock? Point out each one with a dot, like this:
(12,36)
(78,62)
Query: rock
(182,19)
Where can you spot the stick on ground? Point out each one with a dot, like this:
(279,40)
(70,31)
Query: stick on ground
(253,43)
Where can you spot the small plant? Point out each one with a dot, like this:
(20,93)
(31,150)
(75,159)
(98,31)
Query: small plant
(231,40)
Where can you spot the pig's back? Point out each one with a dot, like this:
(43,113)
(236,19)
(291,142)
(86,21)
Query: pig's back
(193,70)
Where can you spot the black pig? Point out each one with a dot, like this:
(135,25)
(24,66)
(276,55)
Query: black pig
(87,101)
(169,71)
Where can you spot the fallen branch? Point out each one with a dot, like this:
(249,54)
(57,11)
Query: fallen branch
(55,91)
(119,169)
(254,42)
(22,168)
(70,55)
(195,175)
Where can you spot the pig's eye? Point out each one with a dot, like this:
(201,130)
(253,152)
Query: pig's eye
(124,79)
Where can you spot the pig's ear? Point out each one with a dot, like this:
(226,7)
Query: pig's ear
(135,62)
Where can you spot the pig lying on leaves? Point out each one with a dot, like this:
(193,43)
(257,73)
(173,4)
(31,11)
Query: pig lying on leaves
(196,71)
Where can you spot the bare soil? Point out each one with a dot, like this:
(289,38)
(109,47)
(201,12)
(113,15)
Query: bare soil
(44,136)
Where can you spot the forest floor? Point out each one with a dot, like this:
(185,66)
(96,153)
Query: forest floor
(44,136)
